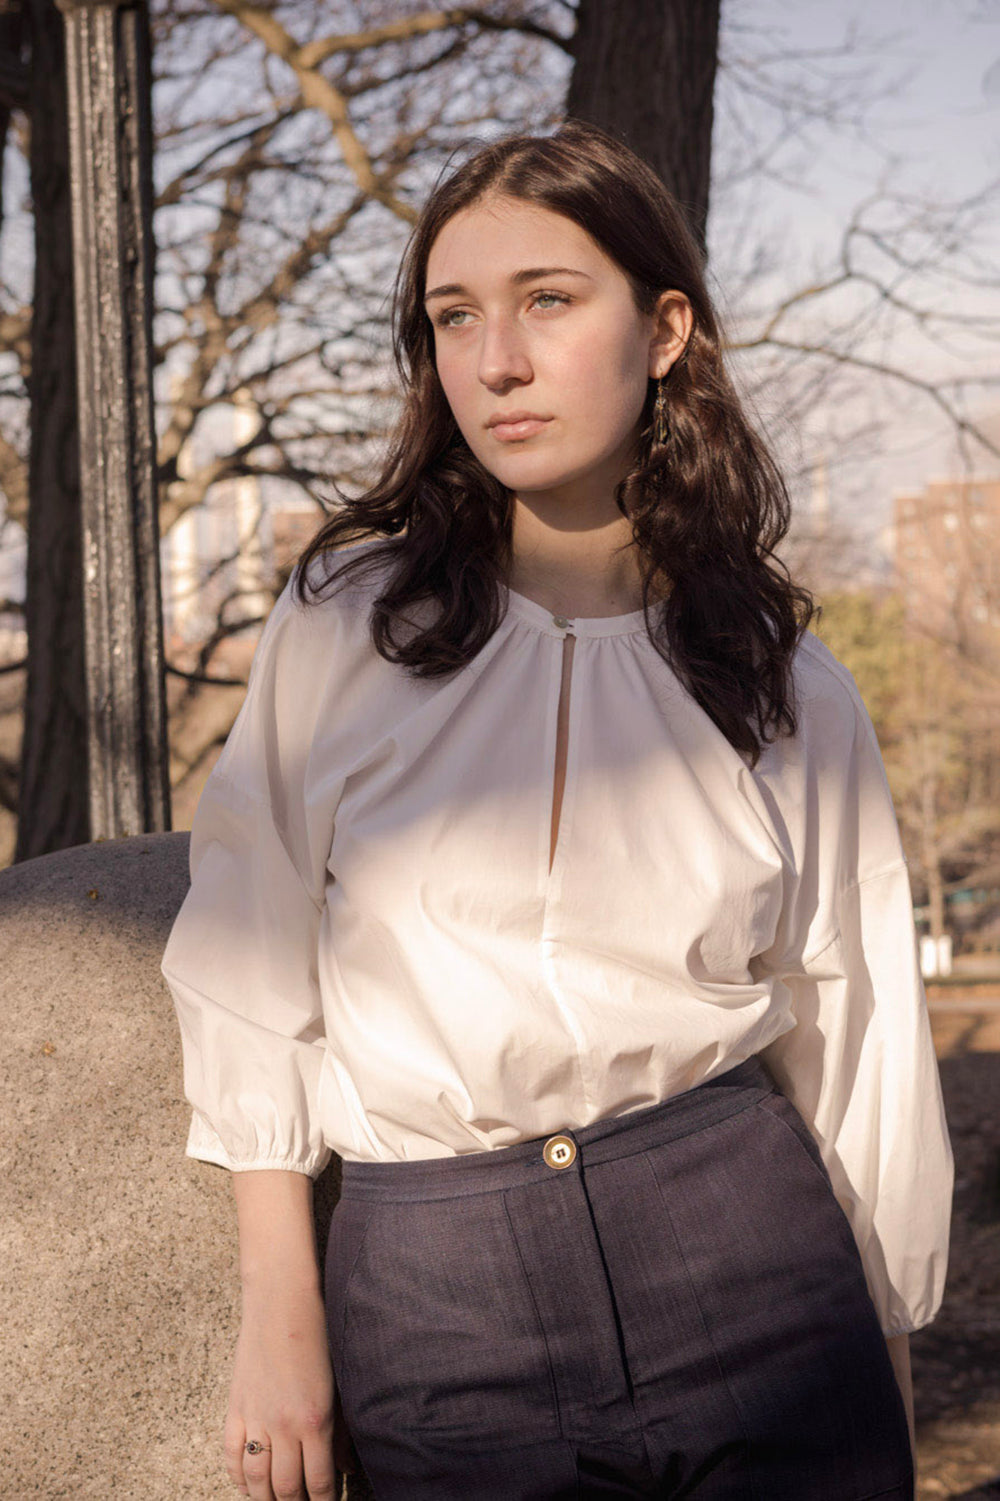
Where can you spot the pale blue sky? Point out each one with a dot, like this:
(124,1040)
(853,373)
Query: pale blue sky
(937,62)
(942,58)
(946,112)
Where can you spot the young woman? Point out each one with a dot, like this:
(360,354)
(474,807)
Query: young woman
(550,876)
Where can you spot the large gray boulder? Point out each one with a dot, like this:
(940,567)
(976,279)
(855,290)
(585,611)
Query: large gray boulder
(119,1294)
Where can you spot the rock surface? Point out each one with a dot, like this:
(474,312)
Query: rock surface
(119,1294)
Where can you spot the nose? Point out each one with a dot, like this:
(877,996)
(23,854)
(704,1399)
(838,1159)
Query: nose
(503,358)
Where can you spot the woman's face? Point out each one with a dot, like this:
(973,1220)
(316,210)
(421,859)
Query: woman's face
(539,346)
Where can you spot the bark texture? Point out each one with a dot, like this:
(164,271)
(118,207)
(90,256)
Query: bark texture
(53,793)
(644,70)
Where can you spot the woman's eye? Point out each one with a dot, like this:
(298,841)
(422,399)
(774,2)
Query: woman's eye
(455,317)
(550,298)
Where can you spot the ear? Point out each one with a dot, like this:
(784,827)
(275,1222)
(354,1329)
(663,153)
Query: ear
(673,320)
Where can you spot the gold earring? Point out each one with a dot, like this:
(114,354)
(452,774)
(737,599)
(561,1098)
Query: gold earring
(661,415)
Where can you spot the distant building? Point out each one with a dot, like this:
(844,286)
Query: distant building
(826,548)
(224,558)
(220,562)
(946,554)
(13,558)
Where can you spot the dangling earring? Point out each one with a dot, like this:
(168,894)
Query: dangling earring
(661,415)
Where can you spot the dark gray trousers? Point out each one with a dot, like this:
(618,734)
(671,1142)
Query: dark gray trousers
(673,1305)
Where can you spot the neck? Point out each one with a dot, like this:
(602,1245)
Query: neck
(589,570)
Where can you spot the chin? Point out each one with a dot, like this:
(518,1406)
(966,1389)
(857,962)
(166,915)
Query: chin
(527,472)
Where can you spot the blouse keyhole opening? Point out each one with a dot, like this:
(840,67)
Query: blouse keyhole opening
(562,737)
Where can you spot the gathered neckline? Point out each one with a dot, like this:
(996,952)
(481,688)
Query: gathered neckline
(580,625)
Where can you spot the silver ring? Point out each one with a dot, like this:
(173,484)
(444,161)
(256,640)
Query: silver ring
(254,1446)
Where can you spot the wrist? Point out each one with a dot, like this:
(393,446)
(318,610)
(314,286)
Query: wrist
(265,1285)
(277,1240)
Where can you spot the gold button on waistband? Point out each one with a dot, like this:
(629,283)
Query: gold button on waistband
(560,1151)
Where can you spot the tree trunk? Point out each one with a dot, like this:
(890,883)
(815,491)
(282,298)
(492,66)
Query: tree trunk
(644,70)
(53,794)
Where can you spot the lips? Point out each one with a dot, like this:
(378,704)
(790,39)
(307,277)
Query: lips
(510,427)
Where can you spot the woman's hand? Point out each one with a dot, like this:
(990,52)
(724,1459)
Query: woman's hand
(282,1393)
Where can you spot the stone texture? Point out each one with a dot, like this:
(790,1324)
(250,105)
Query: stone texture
(119,1294)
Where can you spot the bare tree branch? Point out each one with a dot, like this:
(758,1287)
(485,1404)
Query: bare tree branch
(319,93)
(315,53)
(196,677)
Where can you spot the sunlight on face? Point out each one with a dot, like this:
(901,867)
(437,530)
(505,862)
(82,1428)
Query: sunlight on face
(540,349)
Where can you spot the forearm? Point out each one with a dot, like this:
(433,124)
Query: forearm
(282,1388)
(277,1237)
(899,1354)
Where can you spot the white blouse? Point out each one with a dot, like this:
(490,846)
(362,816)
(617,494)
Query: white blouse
(374,956)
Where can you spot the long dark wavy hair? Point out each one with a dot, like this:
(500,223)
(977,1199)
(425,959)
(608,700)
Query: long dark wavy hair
(707,507)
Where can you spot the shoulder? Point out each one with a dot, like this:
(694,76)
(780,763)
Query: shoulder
(309,648)
(827,695)
(832,722)
(819,675)
(322,605)
(341,583)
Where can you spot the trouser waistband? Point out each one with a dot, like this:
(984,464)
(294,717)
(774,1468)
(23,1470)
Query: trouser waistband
(503,1168)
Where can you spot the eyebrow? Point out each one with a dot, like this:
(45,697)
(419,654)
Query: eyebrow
(532,273)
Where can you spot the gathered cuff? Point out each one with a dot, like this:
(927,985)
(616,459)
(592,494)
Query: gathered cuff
(905,1328)
(204,1145)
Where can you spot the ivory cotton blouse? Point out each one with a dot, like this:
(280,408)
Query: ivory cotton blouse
(374,956)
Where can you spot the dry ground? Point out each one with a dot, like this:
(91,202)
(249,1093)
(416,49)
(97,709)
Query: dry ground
(956,1359)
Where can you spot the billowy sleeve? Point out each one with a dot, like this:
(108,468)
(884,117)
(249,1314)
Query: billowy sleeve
(241,960)
(858,1059)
